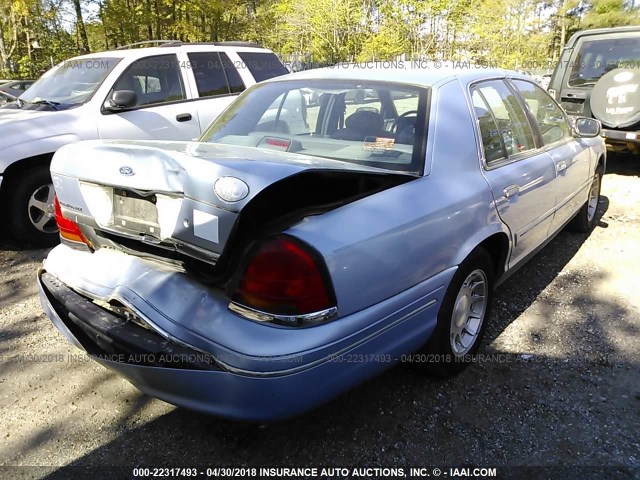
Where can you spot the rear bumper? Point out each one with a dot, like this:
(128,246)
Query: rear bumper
(619,137)
(210,379)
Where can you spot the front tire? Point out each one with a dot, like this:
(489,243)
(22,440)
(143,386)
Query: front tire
(585,219)
(462,318)
(30,208)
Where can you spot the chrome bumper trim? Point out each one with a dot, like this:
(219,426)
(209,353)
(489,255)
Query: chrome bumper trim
(307,319)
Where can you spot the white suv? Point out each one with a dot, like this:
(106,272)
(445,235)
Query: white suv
(168,92)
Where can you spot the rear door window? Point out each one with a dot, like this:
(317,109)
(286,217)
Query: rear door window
(214,74)
(263,65)
(491,138)
(514,128)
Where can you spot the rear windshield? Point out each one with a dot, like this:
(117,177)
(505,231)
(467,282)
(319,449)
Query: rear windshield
(375,124)
(597,57)
(263,66)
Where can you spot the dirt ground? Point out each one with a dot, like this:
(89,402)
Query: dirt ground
(559,385)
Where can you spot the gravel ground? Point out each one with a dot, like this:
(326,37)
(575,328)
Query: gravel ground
(559,384)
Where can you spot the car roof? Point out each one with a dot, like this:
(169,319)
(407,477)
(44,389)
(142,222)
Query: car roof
(600,31)
(171,48)
(422,74)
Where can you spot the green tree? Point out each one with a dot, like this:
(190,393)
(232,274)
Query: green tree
(609,13)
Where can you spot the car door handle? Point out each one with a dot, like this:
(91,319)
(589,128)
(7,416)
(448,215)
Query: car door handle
(561,166)
(183,117)
(511,190)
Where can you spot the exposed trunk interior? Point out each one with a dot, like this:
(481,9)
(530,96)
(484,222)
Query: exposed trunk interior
(276,208)
(285,203)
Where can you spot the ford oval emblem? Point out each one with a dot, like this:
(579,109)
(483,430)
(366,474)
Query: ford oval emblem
(230,189)
(127,171)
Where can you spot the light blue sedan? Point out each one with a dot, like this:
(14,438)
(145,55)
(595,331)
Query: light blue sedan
(300,248)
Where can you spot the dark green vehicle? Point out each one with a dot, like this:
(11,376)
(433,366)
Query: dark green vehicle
(598,75)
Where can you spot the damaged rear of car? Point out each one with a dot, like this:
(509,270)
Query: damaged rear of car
(181,269)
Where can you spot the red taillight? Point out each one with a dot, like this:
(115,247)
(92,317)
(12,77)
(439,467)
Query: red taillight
(284,278)
(68,228)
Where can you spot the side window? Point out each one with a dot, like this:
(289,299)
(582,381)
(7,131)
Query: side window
(153,79)
(236,85)
(263,65)
(209,73)
(405,102)
(404,125)
(215,74)
(511,120)
(551,120)
(491,138)
(288,114)
(362,99)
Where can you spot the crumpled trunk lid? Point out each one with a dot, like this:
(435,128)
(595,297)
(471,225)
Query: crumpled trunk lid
(162,193)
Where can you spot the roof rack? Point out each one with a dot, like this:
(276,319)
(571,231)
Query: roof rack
(178,43)
(161,43)
(230,43)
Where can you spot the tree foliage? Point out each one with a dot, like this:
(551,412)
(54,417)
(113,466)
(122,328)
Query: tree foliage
(34,34)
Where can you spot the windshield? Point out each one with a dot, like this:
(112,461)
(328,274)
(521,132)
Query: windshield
(72,82)
(376,124)
(598,57)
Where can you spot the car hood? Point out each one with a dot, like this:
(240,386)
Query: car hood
(163,192)
(19,126)
(8,115)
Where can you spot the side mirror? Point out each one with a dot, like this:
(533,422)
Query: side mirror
(121,100)
(587,127)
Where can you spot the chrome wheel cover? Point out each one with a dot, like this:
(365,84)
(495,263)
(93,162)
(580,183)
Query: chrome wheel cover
(469,310)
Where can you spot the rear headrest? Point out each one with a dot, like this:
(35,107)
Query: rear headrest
(365,120)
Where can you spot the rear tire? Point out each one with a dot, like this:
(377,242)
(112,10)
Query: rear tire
(586,218)
(462,318)
(30,208)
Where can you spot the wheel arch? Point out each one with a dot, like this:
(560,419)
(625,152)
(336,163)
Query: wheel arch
(29,162)
(497,244)
(16,168)
(601,162)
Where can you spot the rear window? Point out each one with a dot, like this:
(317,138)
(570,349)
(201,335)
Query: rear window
(597,57)
(379,125)
(263,66)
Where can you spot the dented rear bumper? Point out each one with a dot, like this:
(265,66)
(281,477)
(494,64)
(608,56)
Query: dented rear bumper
(214,360)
